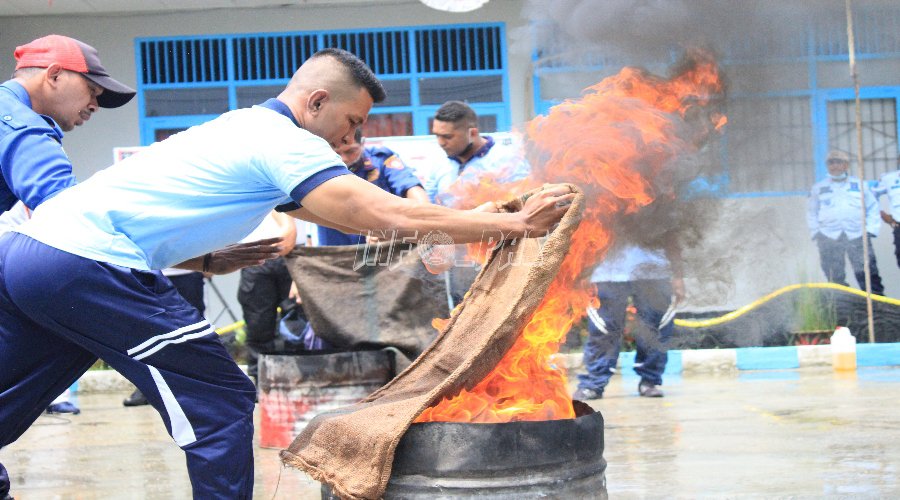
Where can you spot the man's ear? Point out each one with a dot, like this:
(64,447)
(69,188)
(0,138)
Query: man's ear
(316,100)
(52,73)
(473,133)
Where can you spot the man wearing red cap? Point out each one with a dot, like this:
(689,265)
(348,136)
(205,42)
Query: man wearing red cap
(58,84)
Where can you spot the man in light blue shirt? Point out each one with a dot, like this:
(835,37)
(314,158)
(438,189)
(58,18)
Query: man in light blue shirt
(833,216)
(471,158)
(82,275)
(890,185)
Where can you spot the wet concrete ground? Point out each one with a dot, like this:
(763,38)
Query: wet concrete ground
(797,433)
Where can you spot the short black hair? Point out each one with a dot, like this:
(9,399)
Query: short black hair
(358,69)
(457,113)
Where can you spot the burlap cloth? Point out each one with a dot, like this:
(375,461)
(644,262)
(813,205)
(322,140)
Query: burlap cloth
(352,449)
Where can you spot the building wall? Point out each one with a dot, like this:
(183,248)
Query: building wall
(763,239)
(90,147)
(758,245)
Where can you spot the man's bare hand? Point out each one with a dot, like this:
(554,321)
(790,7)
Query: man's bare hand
(295,293)
(543,209)
(241,255)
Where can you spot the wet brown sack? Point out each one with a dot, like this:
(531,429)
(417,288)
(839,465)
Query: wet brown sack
(352,449)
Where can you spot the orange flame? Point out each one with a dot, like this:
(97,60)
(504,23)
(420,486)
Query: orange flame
(596,142)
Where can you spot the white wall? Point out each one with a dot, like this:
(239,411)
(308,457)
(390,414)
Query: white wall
(765,239)
(90,147)
(766,244)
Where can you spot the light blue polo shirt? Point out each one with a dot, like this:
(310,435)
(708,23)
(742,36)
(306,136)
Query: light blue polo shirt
(834,208)
(630,263)
(190,194)
(890,185)
(502,162)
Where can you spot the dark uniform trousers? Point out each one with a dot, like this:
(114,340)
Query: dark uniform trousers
(831,255)
(897,244)
(262,289)
(651,298)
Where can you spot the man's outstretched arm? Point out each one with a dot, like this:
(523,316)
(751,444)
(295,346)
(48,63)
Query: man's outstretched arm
(235,257)
(352,205)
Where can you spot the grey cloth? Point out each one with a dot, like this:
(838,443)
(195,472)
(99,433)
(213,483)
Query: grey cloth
(356,306)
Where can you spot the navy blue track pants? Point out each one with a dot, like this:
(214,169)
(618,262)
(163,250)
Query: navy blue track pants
(60,312)
(651,298)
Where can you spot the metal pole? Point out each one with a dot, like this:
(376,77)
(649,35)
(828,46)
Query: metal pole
(225,308)
(859,167)
(450,303)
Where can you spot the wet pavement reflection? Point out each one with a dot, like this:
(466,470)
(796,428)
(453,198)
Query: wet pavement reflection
(792,433)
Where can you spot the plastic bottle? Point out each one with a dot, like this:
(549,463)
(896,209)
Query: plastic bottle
(843,349)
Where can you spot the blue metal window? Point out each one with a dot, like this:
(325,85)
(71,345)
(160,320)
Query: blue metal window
(183,81)
(182,61)
(788,99)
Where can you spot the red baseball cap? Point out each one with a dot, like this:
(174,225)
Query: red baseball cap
(77,56)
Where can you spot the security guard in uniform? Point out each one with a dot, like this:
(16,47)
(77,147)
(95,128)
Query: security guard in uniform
(890,185)
(833,216)
(382,167)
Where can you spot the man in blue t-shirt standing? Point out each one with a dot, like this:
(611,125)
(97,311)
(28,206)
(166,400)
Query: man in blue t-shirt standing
(57,85)
(382,167)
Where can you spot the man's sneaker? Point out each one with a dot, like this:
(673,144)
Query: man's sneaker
(648,390)
(64,407)
(586,394)
(136,399)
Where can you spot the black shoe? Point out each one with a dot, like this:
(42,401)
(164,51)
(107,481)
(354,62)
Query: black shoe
(64,407)
(136,399)
(586,394)
(648,390)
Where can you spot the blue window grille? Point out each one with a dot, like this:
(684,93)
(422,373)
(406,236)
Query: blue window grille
(183,81)
(778,132)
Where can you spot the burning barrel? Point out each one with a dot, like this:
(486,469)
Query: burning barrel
(542,459)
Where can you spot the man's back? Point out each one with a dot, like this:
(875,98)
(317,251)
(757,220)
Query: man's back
(190,194)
